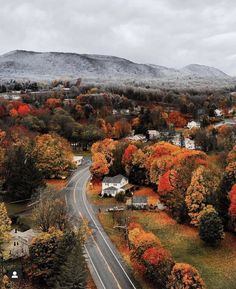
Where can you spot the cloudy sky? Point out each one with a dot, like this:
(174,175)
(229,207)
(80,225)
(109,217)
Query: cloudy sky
(166,32)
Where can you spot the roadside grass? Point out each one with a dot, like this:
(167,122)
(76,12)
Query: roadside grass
(57,184)
(117,238)
(90,283)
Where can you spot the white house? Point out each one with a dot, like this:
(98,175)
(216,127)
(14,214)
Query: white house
(78,160)
(19,244)
(153,134)
(111,186)
(193,124)
(189,144)
(218,112)
(137,137)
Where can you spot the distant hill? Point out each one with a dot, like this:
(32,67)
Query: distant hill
(51,65)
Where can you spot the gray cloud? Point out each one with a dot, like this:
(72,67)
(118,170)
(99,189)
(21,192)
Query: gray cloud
(166,32)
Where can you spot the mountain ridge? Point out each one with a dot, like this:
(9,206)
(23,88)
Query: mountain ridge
(51,65)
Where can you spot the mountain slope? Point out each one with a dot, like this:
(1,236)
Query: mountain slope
(51,65)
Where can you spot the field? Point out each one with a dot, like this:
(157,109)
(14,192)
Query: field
(216,265)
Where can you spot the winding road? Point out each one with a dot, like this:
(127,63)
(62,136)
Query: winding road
(105,263)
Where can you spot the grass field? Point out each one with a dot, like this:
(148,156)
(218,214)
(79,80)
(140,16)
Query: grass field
(217,266)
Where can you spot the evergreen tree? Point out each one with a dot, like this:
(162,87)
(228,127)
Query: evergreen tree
(22,177)
(210,227)
(73,274)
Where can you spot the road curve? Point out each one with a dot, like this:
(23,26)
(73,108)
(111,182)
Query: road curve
(105,263)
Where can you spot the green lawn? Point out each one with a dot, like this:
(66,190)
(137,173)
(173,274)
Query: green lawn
(17,208)
(216,265)
(25,220)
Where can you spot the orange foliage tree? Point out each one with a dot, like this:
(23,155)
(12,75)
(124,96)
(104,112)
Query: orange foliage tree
(23,110)
(232,208)
(102,156)
(177,119)
(185,276)
(158,263)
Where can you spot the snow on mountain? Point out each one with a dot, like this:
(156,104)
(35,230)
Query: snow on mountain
(51,65)
(203,71)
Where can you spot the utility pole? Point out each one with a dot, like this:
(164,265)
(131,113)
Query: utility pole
(125,227)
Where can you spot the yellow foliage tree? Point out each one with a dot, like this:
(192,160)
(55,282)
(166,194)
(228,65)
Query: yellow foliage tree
(54,155)
(204,184)
(5,224)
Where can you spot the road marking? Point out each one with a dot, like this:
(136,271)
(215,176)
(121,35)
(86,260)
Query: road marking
(83,196)
(96,244)
(109,268)
(94,267)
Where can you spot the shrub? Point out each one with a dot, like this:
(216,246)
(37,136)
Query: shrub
(210,227)
(184,276)
(158,262)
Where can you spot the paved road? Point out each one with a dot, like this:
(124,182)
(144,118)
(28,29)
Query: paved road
(105,263)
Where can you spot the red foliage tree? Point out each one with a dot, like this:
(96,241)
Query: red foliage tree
(177,119)
(232,208)
(166,182)
(23,110)
(158,262)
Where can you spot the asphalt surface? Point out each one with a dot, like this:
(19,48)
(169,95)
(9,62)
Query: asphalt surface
(105,263)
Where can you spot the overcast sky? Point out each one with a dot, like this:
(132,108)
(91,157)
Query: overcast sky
(167,32)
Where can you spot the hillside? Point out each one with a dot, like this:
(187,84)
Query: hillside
(51,65)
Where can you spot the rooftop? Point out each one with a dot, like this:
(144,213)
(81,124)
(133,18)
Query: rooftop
(115,180)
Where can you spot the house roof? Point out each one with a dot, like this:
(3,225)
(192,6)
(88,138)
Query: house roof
(115,180)
(139,199)
(110,189)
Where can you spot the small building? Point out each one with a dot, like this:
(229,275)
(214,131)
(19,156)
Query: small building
(124,111)
(139,202)
(189,144)
(153,134)
(19,244)
(114,112)
(137,137)
(111,186)
(193,124)
(218,112)
(78,160)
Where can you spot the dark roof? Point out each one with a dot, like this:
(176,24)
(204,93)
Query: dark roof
(115,180)
(110,189)
(139,200)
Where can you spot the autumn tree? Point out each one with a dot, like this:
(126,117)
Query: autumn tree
(54,155)
(102,157)
(53,253)
(5,225)
(185,276)
(158,263)
(202,191)
(121,129)
(232,207)
(210,226)
(23,110)
(51,211)
(42,254)
(176,118)
(128,157)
